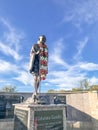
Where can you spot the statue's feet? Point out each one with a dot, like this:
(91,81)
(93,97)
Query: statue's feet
(31,100)
(35,98)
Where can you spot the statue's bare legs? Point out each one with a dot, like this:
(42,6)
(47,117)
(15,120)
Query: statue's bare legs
(36,86)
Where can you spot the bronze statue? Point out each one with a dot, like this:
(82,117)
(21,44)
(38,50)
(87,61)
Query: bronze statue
(39,63)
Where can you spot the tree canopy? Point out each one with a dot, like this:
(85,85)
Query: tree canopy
(8,88)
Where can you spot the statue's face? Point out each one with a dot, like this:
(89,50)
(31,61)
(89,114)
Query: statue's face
(41,39)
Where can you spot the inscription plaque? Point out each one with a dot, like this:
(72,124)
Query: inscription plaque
(6,105)
(62,99)
(21,119)
(48,120)
(2,107)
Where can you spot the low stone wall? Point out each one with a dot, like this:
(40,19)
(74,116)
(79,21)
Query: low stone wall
(83,107)
(79,125)
(6,124)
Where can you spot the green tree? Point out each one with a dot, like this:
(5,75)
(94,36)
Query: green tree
(51,91)
(77,89)
(56,91)
(9,88)
(93,87)
(86,84)
(61,91)
(83,85)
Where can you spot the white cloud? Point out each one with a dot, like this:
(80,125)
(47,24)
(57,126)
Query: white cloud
(15,72)
(10,45)
(89,66)
(94,80)
(24,77)
(12,35)
(9,51)
(80,11)
(7,67)
(71,77)
(70,74)
(55,56)
(66,79)
(80,47)
(2,81)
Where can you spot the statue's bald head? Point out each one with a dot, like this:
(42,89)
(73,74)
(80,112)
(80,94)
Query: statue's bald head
(42,38)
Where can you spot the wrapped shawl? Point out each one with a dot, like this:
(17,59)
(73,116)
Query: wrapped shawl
(39,60)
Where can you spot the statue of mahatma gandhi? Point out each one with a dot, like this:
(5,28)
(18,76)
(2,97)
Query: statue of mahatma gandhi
(38,63)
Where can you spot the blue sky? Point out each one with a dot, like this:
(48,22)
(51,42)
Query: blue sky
(71,28)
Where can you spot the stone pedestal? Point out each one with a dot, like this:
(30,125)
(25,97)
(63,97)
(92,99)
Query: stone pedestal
(40,117)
